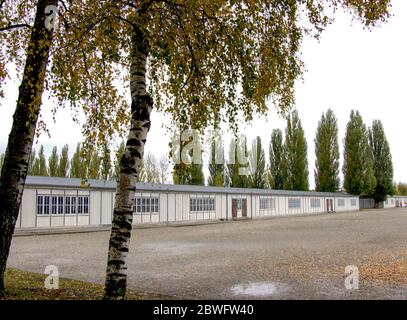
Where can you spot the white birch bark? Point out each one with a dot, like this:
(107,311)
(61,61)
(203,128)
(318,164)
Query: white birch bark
(141,107)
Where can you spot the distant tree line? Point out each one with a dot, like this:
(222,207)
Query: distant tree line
(367,167)
(92,165)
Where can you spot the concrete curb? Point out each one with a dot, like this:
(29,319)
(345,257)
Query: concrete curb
(103,228)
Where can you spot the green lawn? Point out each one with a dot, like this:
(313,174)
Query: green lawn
(23,285)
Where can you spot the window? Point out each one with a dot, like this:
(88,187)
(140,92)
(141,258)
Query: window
(202,204)
(54,204)
(267,203)
(60,204)
(46,205)
(70,205)
(341,202)
(83,205)
(40,205)
(315,203)
(146,205)
(264,204)
(353,202)
(57,204)
(392,201)
(294,203)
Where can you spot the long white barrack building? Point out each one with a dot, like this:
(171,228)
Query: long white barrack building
(64,202)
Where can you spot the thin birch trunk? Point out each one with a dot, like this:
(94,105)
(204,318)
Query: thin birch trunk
(141,107)
(14,170)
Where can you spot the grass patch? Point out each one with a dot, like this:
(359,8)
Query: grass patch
(23,285)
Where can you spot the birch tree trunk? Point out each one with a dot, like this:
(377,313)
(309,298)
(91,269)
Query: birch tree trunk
(141,107)
(14,171)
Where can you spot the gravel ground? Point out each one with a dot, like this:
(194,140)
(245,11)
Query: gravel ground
(282,258)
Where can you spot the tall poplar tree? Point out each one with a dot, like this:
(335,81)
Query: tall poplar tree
(76,160)
(276,158)
(358,169)
(106,164)
(119,154)
(53,163)
(327,154)
(31,162)
(94,166)
(296,163)
(216,165)
(382,162)
(237,178)
(258,163)
(63,168)
(196,175)
(40,164)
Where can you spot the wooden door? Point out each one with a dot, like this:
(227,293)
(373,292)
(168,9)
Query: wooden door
(244,208)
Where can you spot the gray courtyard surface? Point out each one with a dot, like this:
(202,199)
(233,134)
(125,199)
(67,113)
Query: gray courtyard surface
(282,258)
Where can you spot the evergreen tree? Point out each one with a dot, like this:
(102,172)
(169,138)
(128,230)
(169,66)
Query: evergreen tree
(76,167)
(216,170)
(106,164)
(382,162)
(63,167)
(276,158)
(296,163)
(53,163)
(327,154)
(358,162)
(258,161)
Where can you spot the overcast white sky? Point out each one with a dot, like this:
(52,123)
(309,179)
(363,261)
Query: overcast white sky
(350,68)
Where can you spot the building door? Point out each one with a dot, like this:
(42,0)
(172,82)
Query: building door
(244,208)
(234,209)
(329,205)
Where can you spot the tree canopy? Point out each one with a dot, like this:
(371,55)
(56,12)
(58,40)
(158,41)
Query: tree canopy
(382,162)
(295,164)
(327,154)
(208,60)
(357,168)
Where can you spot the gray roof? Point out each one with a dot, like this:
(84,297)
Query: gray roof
(53,182)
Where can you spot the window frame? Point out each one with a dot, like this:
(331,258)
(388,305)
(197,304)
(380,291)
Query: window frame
(202,204)
(146,205)
(294,203)
(315,203)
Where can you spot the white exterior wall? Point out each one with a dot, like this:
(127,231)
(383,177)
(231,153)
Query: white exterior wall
(173,207)
(392,202)
(95,199)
